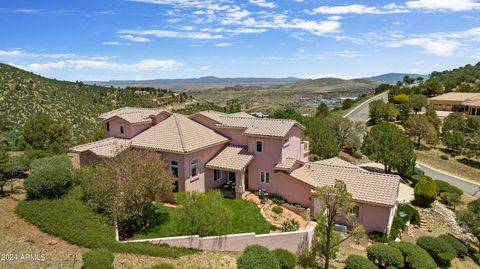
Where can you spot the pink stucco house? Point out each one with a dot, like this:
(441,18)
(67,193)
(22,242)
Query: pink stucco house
(239,152)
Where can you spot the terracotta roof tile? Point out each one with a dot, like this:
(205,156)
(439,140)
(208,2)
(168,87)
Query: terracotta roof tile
(456,96)
(287,164)
(337,162)
(259,126)
(108,147)
(364,186)
(132,114)
(231,158)
(177,134)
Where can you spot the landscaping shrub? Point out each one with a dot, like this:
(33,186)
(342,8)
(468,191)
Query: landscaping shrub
(418,171)
(202,213)
(359,262)
(98,259)
(277,209)
(385,256)
(477,258)
(425,191)
(412,214)
(444,157)
(439,249)
(277,199)
(449,198)
(378,237)
(50,178)
(397,226)
(257,257)
(162,266)
(286,259)
(415,256)
(415,179)
(290,225)
(459,247)
(444,186)
(307,259)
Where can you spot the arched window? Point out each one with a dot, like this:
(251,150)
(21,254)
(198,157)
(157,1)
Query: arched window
(174,168)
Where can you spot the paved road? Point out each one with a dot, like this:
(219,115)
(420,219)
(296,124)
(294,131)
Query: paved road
(361,112)
(466,186)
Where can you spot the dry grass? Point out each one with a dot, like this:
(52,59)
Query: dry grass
(452,165)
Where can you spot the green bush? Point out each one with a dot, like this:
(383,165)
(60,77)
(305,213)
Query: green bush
(415,179)
(257,257)
(449,198)
(162,266)
(307,259)
(98,259)
(50,178)
(385,256)
(444,157)
(359,262)
(277,199)
(425,191)
(459,247)
(378,237)
(397,226)
(440,250)
(446,187)
(286,259)
(412,214)
(415,256)
(290,225)
(477,258)
(277,209)
(73,221)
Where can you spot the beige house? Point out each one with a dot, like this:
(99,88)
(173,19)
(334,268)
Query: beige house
(458,101)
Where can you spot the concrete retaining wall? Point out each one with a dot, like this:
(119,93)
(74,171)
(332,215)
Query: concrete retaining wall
(293,241)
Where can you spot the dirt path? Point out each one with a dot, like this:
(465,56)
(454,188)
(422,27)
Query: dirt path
(17,237)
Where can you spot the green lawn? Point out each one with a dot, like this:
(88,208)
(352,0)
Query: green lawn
(246,218)
(72,220)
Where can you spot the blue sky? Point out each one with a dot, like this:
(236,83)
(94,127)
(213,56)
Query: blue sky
(145,39)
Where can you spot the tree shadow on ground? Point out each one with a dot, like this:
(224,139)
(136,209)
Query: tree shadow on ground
(470,162)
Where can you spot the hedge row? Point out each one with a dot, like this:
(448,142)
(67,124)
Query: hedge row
(385,256)
(415,256)
(259,257)
(359,262)
(441,251)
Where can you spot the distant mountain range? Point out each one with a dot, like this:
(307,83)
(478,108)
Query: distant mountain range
(212,82)
(392,78)
(209,82)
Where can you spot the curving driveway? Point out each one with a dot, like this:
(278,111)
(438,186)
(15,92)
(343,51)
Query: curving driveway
(361,112)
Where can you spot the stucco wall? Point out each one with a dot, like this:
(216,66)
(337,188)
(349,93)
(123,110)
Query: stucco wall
(130,130)
(293,241)
(264,161)
(293,149)
(375,217)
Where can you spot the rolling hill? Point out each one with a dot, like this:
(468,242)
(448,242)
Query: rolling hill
(24,94)
(392,78)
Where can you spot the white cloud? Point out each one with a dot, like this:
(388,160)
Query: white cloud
(114,43)
(148,64)
(443,5)
(439,47)
(11,53)
(224,44)
(359,9)
(171,34)
(135,38)
(263,3)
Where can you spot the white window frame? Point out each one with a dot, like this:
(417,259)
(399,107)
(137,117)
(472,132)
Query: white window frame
(265,177)
(256,146)
(194,165)
(220,174)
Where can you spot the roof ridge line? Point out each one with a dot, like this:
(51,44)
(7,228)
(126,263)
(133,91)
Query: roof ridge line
(180,134)
(255,118)
(91,143)
(359,169)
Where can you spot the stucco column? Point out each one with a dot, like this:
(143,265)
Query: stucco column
(240,184)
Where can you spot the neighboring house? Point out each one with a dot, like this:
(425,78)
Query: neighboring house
(457,101)
(239,152)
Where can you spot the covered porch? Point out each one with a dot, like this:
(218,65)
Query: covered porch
(230,170)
